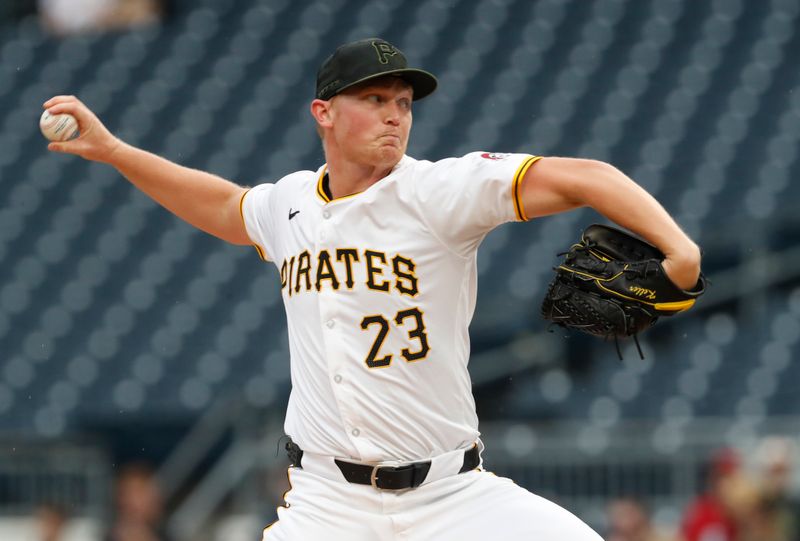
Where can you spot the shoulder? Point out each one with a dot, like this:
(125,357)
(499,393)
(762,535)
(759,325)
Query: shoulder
(471,167)
(298,180)
(289,184)
(428,170)
(432,166)
(472,160)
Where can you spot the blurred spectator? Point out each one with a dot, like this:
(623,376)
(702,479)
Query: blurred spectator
(741,500)
(629,520)
(139,506)
(762,523)
(712,515)
(51,521)
(776,515)
(65,17)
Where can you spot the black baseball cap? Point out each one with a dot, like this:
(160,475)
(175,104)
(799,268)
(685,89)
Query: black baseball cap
(359,61)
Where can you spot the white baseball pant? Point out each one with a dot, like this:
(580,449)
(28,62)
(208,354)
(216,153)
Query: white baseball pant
(476,505)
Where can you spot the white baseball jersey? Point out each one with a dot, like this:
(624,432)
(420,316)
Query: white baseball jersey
(379,289)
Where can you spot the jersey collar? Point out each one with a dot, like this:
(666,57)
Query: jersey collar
(321,195)
(320,179)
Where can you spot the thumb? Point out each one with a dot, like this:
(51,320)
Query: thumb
(66,147)
(56,147)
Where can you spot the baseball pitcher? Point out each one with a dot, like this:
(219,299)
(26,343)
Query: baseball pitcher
(377,258)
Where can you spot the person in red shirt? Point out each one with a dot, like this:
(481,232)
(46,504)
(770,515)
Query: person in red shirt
(709,517)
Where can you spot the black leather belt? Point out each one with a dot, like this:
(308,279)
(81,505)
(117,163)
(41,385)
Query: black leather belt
(387,477)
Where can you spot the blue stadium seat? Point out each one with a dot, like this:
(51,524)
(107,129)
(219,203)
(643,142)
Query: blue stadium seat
(107,300)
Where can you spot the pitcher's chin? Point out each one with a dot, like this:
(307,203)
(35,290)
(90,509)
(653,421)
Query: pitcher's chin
(390,154)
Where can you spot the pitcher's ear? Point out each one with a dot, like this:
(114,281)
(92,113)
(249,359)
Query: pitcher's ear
(321,111)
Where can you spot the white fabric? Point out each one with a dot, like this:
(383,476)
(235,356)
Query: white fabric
(472,506)
(418,230)
(399,258)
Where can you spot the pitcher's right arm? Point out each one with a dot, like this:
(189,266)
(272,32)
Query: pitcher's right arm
(203,200)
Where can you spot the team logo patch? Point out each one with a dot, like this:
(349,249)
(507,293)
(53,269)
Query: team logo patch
(495,155)
(384,51)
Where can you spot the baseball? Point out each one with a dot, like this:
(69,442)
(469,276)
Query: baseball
(61,127)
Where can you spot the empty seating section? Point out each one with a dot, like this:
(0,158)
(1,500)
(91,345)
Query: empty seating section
(108,303)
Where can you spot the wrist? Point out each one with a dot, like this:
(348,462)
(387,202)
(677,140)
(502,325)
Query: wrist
(683,266)
(114,154)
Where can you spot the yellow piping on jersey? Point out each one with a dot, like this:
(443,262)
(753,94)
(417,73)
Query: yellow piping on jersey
(320,192)
(519,209)
(241,214)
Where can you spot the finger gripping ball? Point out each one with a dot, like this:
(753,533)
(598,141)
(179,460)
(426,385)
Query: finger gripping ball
(61,127)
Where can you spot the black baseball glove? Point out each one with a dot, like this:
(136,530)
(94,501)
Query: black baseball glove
(612,284)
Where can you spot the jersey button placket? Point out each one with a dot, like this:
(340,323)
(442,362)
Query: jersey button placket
(327,304)
(325,228)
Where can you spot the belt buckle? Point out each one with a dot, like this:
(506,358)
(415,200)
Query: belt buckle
(373,477)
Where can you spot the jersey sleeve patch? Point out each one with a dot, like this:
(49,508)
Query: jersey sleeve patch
(495,155)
